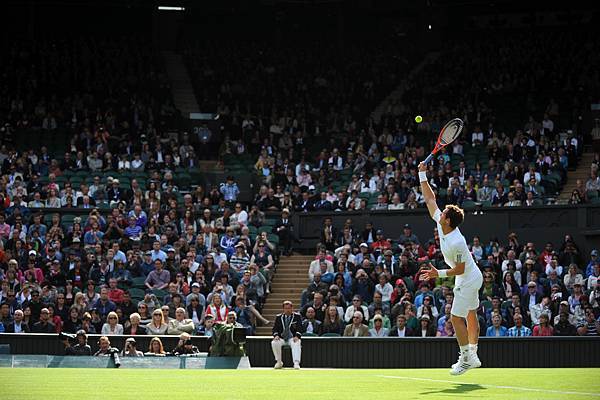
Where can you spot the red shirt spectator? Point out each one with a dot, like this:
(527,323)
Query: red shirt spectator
(114,293)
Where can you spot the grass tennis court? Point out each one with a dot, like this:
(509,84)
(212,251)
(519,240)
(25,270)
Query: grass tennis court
(108,384)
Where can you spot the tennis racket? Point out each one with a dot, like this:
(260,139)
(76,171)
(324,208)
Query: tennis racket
(448,134)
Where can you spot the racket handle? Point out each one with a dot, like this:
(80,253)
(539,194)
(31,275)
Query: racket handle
(429,158)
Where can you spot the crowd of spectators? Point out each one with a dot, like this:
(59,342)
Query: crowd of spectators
(138,252)
(129,240)
(507,156)
(362,283)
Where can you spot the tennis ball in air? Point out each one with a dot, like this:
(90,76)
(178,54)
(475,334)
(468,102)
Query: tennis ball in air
(418,119)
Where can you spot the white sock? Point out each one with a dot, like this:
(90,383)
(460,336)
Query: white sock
(464,349)
(473,348)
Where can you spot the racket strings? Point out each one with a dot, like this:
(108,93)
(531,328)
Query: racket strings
(450,132)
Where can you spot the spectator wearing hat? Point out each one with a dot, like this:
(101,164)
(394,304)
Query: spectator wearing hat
(230,191)
(195,290)
(426,327)
(363,254)
(378,329)
(408,235)
(284,229)
(33,273)
(388,262)
(240,260)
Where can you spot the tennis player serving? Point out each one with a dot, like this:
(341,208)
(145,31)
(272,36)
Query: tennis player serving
(468,277)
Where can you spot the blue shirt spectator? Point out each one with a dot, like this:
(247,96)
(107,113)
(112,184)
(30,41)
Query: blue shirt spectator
(229,190)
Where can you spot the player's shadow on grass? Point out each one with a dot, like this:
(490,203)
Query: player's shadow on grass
(458,388)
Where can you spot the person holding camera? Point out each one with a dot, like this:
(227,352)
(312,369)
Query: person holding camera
(184,346)
(79,349)
(130,349)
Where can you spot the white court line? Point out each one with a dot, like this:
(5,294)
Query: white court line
(491,386)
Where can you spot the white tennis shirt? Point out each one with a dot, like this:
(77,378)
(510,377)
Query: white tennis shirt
(455,250)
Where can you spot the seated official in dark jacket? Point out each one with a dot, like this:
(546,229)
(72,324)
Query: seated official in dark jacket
(287,331)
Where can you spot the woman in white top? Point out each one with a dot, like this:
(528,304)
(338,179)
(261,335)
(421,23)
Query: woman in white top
(157,326)
(572,277)
(112,326)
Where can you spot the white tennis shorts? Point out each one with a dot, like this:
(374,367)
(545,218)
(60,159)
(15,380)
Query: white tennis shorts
(466,298)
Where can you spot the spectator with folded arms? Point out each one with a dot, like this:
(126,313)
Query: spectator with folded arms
(180,323)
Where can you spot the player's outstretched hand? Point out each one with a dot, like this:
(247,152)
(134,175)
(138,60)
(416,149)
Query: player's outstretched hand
(422,166)
(427,274)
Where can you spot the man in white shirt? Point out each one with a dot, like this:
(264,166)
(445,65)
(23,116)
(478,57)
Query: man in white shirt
(468,277)
(315,266)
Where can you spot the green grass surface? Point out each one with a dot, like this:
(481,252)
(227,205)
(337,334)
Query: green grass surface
(66,384)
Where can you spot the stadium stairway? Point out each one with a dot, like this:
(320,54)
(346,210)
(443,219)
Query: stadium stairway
(181,84)
(288,283)
(582,172)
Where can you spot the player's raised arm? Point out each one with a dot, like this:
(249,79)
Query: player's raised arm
(426,190)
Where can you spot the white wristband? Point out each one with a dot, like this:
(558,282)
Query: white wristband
(422,176)
(443,273)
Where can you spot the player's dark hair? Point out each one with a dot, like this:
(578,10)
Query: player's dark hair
(455,214)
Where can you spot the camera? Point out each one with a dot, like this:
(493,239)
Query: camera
(239,335)
(71,337)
